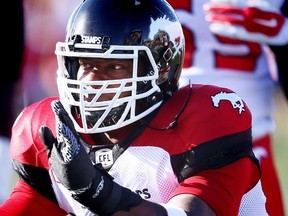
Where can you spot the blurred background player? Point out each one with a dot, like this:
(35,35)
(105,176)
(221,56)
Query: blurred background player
(223,52)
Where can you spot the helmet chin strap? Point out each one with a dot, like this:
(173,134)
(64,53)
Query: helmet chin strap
(173,123)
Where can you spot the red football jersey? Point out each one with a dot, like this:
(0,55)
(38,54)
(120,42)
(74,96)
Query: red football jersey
(211,116)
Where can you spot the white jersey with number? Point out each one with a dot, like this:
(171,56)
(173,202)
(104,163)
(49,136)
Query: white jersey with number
(245,67)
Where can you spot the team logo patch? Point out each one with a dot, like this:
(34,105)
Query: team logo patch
(235,100)
(105,157)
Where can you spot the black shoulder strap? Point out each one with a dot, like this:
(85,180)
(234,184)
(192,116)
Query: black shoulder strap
(213,154)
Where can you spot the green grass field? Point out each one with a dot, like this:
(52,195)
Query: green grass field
(280,145)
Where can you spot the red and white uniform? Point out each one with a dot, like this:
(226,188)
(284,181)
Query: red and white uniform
(241,66)
(212,115)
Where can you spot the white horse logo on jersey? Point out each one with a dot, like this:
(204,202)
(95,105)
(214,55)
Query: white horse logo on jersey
(234,99)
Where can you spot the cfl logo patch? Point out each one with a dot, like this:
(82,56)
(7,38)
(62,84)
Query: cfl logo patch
(105,157)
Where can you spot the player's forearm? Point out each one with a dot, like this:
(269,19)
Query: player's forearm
(180,205)
(143,209)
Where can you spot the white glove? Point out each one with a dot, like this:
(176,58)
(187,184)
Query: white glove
(251,20)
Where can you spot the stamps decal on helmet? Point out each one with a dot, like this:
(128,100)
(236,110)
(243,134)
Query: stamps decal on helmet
(91,39)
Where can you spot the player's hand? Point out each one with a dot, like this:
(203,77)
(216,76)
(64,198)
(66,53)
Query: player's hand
(251,20)
(67,157)
(89,185)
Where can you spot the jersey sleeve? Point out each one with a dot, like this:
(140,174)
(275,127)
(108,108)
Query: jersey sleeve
(25,201)
(215,114)
(30,161)
(204,113)
(26,146)
(222,188)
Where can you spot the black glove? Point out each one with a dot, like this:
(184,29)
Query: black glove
(71,165)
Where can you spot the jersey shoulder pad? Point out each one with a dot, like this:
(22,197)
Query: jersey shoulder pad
(26,145)
(213,112)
